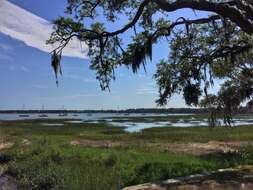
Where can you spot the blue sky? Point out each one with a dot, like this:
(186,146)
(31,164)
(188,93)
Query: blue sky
(27,78)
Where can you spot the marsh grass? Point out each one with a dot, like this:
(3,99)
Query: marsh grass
(50,162)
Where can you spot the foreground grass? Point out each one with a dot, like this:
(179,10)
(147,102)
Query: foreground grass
(50,162)
(47,164)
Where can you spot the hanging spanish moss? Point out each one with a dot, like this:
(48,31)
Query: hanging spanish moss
(141,53)
(56,64)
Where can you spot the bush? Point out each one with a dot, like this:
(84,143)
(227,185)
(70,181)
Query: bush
(151,172)
(247,153)
(44,182)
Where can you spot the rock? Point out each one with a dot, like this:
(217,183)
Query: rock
(248,178)
(240,178)
(3,169)
(7,183)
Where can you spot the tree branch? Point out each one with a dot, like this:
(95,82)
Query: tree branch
(223,9)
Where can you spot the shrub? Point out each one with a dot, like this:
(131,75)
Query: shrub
(247,153)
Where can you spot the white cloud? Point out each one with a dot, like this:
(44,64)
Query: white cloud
(32,30)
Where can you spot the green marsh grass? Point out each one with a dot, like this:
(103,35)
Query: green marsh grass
(50,162)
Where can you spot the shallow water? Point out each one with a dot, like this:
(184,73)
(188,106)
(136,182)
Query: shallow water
(52,124)
(138,126)
(130,126)
(74,121)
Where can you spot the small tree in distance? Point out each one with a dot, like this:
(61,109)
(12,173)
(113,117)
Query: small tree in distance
(218,46)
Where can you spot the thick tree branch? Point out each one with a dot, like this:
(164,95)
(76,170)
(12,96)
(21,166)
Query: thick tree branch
(223,9)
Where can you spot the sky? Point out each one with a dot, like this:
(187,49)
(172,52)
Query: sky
(27,78)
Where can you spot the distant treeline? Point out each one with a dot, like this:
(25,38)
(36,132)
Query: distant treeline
(138,110)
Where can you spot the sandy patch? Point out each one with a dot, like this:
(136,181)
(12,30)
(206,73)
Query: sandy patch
(6,145)
(26,142)
(187,148)
(99,143)
(204,148)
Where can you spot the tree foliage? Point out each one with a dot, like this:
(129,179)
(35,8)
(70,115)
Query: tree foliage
(218,46)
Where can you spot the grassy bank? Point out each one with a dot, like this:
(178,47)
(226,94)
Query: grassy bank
(47,160)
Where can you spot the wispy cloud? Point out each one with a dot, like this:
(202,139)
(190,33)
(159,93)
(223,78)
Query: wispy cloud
(72,76)
(32,29)
(142,91)
(79,77)
(5,57)
(142,76)
(67,97)
(12,67)
(89,80)
(24,69)
(5,47)
(147,88)
(39,86)
(151,84)
(5,50)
